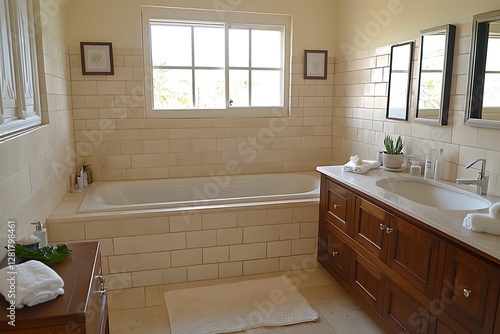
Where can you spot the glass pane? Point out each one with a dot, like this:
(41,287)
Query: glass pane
(171,45)
(266,88)
(209,89)
(238,47)
(401,57)
(172,89)
(433,52)
(398,95)
(491,97)
(493,55)
(266,48)
(238,88)
(209,46)
(430,90)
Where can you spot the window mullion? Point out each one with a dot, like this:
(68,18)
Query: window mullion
(250,67)
(193,83)
(226,65)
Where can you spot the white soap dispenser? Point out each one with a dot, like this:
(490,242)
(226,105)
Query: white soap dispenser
(439,166)
(41,233)
(430,164)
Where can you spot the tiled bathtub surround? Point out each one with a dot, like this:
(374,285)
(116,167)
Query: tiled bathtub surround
(114,136)
(359,123)
(181,246)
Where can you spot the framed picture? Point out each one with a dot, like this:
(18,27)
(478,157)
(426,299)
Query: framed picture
(97,58)
(315,62)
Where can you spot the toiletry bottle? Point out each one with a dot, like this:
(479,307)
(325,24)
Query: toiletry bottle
(41,233)
(430,164)
(79,182)
(88,171)
(84,177)
(438,168)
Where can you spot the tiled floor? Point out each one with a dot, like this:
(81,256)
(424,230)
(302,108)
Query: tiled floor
(142,310)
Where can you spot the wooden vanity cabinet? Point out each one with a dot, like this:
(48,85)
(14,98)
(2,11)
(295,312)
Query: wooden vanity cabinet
(409,277)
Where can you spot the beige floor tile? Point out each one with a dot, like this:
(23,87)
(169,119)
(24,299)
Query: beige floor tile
(144,320)
(126,298)
(153,296)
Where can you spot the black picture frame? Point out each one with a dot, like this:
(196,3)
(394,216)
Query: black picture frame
(315,64)
(97,58)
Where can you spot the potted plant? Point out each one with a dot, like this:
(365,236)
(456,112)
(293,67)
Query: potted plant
(393,156)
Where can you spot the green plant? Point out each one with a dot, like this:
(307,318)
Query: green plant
(391,147)
(49,255)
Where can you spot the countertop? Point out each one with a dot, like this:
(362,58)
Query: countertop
(447,221)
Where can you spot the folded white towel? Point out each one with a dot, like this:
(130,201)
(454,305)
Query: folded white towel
(35,283)
(361,169)
(482,222)
(495,210)
(356,160)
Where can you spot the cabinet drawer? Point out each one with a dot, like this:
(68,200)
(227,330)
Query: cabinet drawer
(96,312)
(470,290)
(367,281)
(337,203)
(337,252)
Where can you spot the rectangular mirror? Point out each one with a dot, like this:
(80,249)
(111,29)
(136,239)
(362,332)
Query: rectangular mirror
(434,76)
(398,96)
(483,90)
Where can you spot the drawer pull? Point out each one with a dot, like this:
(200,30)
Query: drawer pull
(383,227)
(389,230)
(467,293)
(335,254)
(104,291)
(336,206)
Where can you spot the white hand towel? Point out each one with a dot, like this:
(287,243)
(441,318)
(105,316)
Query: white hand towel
(482,222)
(356,160)
(495,210)
(361,169)
(42,296)
(31,277)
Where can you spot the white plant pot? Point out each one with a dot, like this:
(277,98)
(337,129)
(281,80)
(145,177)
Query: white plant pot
(393,160)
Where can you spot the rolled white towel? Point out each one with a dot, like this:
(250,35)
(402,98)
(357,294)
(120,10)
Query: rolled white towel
(495,210)
(32,278)
(42,296)
(482,222)
(363,168)
(356,160)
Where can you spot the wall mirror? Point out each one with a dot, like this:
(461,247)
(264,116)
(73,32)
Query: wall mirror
(434,75)
(483,91)
(399,81)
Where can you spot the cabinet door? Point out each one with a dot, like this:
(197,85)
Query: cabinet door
(336,253)
(470,290)
(337,206)
(402,312)
(370,223)
(367,281)
(413,254)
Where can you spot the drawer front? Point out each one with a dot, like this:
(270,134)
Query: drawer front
(336,252)
(367,281)
(368,221)
(337,203)
(413,254)
(470,290)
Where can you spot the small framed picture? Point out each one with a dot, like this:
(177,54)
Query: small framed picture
(315,62)
(97,58)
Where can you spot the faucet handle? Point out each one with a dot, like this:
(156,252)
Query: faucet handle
(483,167)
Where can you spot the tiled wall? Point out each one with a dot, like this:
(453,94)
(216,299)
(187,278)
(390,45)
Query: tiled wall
(34,166)
(205,244)
(359,123)
(113,134)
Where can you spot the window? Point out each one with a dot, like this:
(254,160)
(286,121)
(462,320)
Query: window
(204,63)
(491,97)
(19,92)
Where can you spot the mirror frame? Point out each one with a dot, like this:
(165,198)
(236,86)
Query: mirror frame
(408,86)
(473,105)
(449,49)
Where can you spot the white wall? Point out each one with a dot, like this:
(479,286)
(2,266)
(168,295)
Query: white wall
(34,166)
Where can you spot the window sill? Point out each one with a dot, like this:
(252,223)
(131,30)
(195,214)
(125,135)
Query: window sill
(219,113)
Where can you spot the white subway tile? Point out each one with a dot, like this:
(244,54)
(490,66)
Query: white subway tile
(186,257)
(185,222)
(279,248)
(174,275)
(203,272)
(230,269)
(261,266)
(199,239)
(219,220)
(229,236)
(147,278)
(304,246)
(247,252)
(252,234)
(216,254)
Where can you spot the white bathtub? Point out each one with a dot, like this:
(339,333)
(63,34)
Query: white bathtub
(201,191)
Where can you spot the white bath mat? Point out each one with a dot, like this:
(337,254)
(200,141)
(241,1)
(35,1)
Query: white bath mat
(234,307)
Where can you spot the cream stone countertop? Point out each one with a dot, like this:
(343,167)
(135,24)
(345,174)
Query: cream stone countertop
(447,221)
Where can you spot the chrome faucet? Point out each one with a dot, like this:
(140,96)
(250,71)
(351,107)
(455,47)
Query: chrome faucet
(481,181)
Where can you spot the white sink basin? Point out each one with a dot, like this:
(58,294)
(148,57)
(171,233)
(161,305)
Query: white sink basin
(434,194)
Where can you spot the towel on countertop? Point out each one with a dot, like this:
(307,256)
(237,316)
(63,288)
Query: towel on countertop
(482,222)
(495,210)
(356,160)
(35,283)
(362,168)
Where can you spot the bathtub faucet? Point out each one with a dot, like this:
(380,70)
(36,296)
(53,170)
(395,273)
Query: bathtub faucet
(481,181)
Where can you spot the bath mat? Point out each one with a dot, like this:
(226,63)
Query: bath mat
(234,307)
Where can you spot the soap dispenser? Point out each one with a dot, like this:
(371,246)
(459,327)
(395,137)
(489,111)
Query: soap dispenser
(430,164)
(41,233)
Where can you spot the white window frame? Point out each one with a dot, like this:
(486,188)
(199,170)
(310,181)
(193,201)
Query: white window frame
(19,85)
(228,18)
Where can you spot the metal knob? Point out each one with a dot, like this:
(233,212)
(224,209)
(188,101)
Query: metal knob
(389,230)
(336,206)
(467,293)
(383,227)
(335,254)
(104,291)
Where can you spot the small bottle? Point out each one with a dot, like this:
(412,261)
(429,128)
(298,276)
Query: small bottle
(41,233)
(438,169)
(88,171)
(430,164)
(84,177)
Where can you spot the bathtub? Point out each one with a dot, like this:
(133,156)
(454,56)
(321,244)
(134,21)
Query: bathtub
(213,191)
